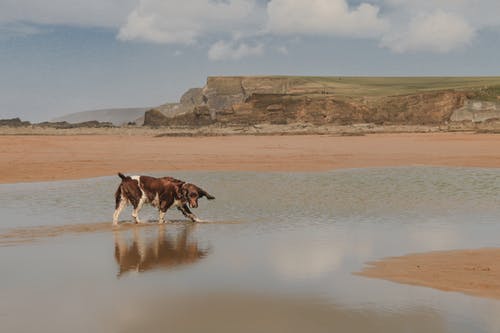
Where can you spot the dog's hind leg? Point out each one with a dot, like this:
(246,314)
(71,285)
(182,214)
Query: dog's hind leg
(119,207)
(135,213)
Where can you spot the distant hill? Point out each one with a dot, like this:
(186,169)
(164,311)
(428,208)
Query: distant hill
(116,116)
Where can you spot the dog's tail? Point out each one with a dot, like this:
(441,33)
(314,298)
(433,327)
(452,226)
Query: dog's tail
(122,176)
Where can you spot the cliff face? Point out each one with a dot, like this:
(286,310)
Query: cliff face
(167,113)
(477,111)
(282,100)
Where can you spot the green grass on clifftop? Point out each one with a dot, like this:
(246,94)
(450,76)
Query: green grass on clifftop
(378,86)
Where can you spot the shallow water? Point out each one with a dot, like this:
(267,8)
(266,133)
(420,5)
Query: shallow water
(278,256)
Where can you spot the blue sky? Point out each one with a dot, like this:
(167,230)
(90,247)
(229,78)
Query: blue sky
(65,56)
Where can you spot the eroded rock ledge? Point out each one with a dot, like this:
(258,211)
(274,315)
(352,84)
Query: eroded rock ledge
(332,100)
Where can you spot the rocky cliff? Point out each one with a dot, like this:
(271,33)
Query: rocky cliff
(320,101)
(477,112)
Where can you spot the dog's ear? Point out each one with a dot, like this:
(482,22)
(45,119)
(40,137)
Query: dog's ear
(180,192)
(183,191)
(206,194)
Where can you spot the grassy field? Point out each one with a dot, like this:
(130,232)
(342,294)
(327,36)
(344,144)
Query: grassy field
(405,85)
(376,86)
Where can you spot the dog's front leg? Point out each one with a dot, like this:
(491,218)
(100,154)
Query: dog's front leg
(188,213)
(161,218)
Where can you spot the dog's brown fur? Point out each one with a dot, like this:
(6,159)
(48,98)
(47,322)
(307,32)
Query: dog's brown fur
(160,192)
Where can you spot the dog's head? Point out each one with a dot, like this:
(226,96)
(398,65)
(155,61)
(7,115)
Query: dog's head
(191,193)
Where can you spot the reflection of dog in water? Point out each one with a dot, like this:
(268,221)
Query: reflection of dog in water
(142,251)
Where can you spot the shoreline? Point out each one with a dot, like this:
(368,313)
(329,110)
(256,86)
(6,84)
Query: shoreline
(257,129)
(475,272)
(31,158)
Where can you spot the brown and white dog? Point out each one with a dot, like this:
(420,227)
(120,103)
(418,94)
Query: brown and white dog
(161,193)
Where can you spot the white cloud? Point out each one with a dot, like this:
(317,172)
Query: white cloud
(222,50)
(282,50)
(170,21)
(436,32)
(435,239)
(306,260)
(92,13)
(399,25)
(14,30)
(403,26)
(323,17)
(480,13)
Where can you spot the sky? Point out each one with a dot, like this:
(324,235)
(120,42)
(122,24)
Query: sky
(64,56)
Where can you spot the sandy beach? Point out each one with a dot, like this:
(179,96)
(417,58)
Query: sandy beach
(45,158)
(473,272)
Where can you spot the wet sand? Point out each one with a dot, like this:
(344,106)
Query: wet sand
(16,236)
(473,272)
(43,158)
